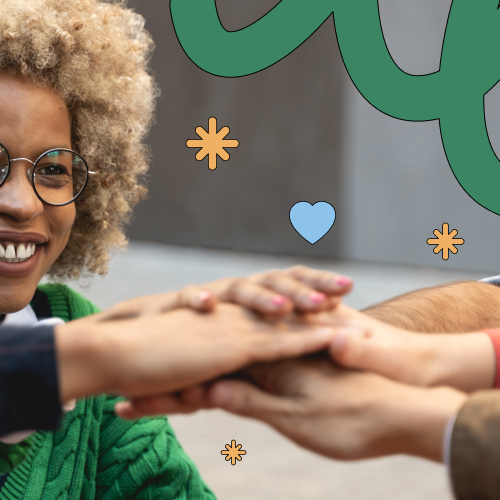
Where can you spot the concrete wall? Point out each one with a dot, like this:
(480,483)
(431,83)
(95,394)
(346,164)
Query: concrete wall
(288,122)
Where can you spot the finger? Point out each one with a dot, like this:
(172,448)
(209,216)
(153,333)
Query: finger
(186,401)
(196,396)
(144,407)
(195,297)
(266,347)
(242,398)
(324,281)
(117,312)
(349,347)
(275,377)
(154,405)
(304,297)
(259,298)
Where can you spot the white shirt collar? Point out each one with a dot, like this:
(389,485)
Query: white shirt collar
(25,316)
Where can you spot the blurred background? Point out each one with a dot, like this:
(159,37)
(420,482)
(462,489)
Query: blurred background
(305,135)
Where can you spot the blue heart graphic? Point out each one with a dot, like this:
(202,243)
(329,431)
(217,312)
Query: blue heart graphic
(312,222)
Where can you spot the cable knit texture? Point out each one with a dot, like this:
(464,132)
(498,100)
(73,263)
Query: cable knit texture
(95,454)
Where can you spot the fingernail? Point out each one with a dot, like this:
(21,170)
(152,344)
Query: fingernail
(343,280)
(279,300)
(317,297)
(121,408)
(204,297)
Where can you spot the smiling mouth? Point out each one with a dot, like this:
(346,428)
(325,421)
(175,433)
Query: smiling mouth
(16,252)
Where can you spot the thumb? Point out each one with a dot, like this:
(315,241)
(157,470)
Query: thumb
(348,345)
(197,298)
(247,400)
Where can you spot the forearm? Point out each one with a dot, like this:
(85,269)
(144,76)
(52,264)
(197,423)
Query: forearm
(168,352)
(81,361)
(454,307)
(422,415)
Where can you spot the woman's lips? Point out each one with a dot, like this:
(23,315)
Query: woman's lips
(20,269)
(20,237)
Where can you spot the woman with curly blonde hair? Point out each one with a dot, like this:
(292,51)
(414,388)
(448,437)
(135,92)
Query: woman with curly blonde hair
(76,102)
(95,56)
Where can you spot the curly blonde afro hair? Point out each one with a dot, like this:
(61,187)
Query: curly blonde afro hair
(96,55)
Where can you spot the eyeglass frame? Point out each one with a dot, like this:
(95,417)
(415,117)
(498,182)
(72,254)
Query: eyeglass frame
(31,176)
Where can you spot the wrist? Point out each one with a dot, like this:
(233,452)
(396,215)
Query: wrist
(81,362)
(424,415)
(465,361)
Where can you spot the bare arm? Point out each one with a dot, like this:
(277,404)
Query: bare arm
(453,307)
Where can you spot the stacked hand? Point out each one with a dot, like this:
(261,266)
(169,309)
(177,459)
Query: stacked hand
(370,389)
(410,387)
(155,344)
(272,293)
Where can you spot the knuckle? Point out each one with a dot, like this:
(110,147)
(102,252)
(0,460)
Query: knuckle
(271,277)
(229,281)
(188,289)
(237,282)
(290,422)
(349,355)
(243,403)
(187,293)
(236,285)
(298,270)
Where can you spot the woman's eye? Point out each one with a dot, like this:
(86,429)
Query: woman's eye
(51,170)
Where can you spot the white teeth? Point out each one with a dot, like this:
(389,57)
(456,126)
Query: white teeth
(10,253)
(24,252)
(21,252)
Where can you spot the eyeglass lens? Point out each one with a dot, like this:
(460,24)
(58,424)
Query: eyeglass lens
(59,176)
(4,164)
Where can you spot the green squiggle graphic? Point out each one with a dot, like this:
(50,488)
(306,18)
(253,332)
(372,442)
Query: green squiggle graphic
(454,95)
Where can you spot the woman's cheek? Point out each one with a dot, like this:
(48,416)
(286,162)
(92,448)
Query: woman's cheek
(61,222)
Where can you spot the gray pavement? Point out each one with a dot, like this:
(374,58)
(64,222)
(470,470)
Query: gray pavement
(275,468)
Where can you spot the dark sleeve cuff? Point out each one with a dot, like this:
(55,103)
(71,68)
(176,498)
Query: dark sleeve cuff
(493,280)
(475,448)
(29,391)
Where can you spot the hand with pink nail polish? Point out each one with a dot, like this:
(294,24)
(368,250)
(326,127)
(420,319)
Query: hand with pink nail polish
(317,297)
(279,292)
(271,293)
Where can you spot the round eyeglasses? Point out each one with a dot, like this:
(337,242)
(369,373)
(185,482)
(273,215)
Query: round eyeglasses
(58,176)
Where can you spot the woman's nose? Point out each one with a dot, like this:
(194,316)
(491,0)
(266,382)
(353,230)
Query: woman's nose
(18,200)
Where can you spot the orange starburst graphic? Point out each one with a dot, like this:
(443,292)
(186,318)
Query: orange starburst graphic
(233,452)
(445,241)
(212,143)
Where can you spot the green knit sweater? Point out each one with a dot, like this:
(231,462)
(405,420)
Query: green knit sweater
(95,454)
